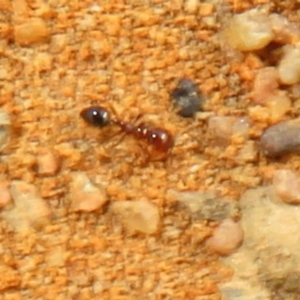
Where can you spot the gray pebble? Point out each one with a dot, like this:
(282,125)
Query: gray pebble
(281,138)
(187,98)
(207,206)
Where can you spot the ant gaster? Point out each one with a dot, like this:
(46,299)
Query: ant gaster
(159,138)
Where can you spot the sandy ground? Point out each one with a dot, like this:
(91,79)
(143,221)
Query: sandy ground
(58,57)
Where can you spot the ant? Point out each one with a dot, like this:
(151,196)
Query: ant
(161,139)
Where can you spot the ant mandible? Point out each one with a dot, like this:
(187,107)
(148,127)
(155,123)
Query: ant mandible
(161,139)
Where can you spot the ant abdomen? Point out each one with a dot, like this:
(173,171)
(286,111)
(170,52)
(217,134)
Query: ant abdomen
(161,139)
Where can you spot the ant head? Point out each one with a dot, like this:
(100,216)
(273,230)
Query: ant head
(96,116)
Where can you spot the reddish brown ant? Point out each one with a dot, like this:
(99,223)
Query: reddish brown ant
(161,139)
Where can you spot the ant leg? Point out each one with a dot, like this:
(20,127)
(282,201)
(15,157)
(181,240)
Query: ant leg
(146,155)
(122,134)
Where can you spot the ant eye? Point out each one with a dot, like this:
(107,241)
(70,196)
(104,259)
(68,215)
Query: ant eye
(96,116)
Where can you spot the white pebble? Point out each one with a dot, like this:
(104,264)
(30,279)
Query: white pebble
(47,162)
(289,66)
(226,238)
(30,210)
(137,215)
(85,195)
(285,32)
(287,186)
(241,126)
(222,128)
(249,31)
(278,106)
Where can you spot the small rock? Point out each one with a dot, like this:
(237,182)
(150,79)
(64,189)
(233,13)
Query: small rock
(137,215)
(191,6)
(58,43)
(222,128)
(32,31)
(226,238)
(295,91)
(47,163)
(187,98)
(248,152)
(43,62)
(249,31)
(285,32)
(278,105)
(85,195)
(289,66)
(5,197)
(271,239)
(286,184)
(29,209)
(4,129)
(205,205)
(241,127)
(281,138)
(265,85)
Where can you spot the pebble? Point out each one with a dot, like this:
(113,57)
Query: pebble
(281,138)
(247,153)
(249,31)
(32,31)
(137,215)
(187,98)
(285,32)
(278,106)
(265,85)
(222,128)
(205,205)
(86,196)
(58,43)
(286,184)
(47,162)
(268,262)
(289,66)
(191,6)
(30,210)
(226,238)
(4,129)
(271,241)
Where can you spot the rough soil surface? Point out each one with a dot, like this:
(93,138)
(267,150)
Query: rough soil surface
(90,213)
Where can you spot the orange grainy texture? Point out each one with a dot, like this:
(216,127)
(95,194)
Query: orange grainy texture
(60,57)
